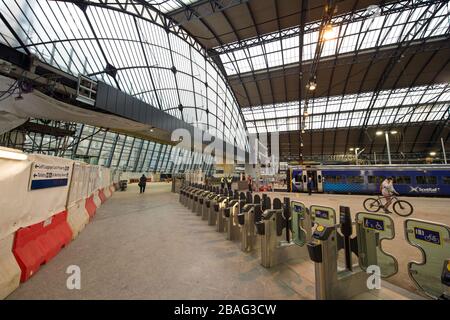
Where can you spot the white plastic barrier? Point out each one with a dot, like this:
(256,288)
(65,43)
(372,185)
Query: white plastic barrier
(9,269)
(35,189)
(22,206)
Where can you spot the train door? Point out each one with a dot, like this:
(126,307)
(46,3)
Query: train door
(319,181)
(305,174)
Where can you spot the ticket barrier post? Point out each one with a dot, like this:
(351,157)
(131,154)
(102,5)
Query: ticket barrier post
(303,221)
(231,216)
(246,219)
(275,233)
(197,192)
(220,221)
(207,203)
(198,205)
(351,280)
(432,275)
(185,194)
(214,209)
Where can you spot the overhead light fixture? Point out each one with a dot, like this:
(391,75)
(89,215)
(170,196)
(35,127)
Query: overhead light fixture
(312,85)
(329,33)
(394,132)
(351,149)
(12,154)
(432,153)
(379,133)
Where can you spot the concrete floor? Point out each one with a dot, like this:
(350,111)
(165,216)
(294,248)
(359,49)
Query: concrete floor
(151,247)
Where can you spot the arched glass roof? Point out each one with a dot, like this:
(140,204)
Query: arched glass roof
(132,47)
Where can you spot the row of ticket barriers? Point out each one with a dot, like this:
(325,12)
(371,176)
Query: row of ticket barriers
(284,230)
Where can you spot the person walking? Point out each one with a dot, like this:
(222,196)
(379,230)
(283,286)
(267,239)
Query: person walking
(222,183)
(142,183)
(310,185)
(250,183)
(229,182)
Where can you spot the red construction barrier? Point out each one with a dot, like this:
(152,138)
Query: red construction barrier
(90,206)
(101,195)
(39,243)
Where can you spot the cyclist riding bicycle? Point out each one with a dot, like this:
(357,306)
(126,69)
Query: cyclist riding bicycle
(387,190)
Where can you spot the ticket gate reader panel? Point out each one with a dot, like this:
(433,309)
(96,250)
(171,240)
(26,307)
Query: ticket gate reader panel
(324,216)
(374,228)
(433,240)
(301,225)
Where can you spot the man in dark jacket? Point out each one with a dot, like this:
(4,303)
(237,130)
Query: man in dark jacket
(310,185)
(142,183)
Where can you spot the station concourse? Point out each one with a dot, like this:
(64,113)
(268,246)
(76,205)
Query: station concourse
(224,150)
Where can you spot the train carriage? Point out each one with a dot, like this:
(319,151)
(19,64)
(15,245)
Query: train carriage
(410,180)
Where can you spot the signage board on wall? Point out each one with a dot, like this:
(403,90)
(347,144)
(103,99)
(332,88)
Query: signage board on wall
(48,175)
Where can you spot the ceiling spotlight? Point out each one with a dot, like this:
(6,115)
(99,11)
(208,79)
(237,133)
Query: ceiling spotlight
(432,153)
(312,85)
(379,133)
(394,132)
(351,149)
(329,32)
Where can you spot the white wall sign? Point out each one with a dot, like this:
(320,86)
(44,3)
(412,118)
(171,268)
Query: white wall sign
(48,175)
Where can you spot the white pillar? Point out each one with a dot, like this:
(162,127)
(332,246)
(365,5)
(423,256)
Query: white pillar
(386,135)
(443,151)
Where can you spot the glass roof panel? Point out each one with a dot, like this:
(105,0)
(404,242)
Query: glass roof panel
(392,28)
(398,106)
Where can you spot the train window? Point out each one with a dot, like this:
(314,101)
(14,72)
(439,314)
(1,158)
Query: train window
(402,180)
(319,178)
(446,179)
(376,179)
(334,179)
(426,180)
(355,179)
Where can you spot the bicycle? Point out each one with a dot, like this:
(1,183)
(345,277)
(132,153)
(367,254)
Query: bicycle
(401,207)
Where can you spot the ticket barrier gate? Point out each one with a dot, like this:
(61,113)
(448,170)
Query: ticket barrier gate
(184,194)
(207,202)
(194,198)
(432,274)
(214,208)
(248,218)
(190,200)
(198,201)
(220,220)
(277,244)
(304,221)
(231,216)
(201,201)
(351,280)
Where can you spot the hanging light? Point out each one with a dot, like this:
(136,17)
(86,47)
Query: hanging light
(432,153)
(329,33)
(312,85)
(379,133)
